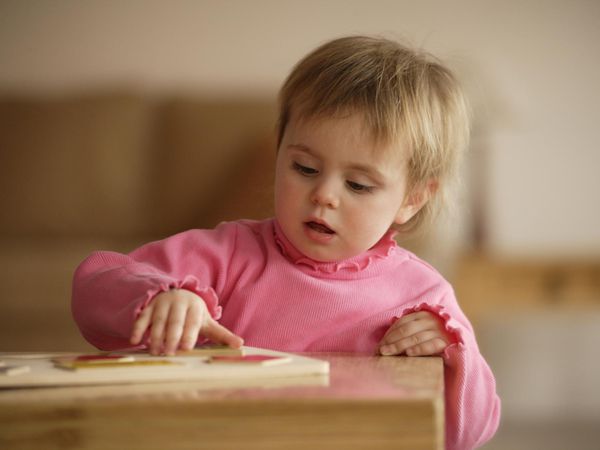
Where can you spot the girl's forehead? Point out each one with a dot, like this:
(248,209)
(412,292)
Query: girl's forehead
(345,129)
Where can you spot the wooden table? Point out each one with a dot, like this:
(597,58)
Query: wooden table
(364,403)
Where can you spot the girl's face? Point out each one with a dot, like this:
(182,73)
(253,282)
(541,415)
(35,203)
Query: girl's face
(336,192)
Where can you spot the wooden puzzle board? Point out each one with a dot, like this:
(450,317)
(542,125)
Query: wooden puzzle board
(42,371)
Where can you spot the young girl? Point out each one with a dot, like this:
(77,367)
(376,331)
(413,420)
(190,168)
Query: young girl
(370,134)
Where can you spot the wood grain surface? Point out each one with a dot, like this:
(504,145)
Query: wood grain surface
(364,403)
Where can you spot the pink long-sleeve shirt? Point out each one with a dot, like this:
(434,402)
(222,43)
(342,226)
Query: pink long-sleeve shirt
(259,286)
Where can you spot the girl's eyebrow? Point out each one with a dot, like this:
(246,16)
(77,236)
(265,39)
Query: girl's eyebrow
(301,147)
(370,170)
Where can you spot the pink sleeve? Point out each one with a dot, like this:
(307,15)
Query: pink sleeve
(472,405)
(111,289)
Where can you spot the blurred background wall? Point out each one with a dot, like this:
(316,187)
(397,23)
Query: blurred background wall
(523,248)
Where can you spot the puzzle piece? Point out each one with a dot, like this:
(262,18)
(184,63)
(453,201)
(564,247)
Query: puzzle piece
(101,358)
(212,350)
(108,364)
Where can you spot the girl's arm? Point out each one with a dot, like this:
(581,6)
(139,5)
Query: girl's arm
(110,289)
(472,405)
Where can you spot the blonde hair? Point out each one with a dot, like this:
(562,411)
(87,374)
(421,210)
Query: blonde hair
(405,96)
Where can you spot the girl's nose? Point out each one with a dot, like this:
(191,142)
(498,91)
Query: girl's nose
(324,195)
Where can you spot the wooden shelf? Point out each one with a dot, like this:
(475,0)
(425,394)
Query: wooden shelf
(485,285)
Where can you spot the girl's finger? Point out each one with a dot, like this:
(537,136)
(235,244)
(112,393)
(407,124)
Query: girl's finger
(399,346)
(192,326)
(221,335)
(407,329)
(141,325)
(419,315)
(174,327)
(157,332)
(427,348)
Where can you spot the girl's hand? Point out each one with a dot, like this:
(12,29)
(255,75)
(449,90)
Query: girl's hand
(417,334)
(175,319)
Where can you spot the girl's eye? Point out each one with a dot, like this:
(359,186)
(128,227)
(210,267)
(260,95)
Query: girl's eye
(357,187)
(305,170)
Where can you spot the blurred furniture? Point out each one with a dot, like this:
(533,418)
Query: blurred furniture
(488,286)
(537,321)
(110,171)
(367,402)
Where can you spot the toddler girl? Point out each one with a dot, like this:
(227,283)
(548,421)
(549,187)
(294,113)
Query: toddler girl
(369,137)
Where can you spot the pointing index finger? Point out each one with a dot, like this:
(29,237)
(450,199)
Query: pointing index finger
(219,334)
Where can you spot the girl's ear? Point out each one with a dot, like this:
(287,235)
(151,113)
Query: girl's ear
(415,200)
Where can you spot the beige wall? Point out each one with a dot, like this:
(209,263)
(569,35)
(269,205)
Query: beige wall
(530,67)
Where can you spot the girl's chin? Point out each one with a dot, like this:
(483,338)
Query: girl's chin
(324,254)
(318,246)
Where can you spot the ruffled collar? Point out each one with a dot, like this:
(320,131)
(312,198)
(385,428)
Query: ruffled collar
(381,250)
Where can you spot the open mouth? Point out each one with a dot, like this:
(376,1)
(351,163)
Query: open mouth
(319,228)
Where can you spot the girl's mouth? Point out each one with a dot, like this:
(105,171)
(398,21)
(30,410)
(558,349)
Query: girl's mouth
(319,227)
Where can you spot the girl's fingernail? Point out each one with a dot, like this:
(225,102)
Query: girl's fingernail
(385,350)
